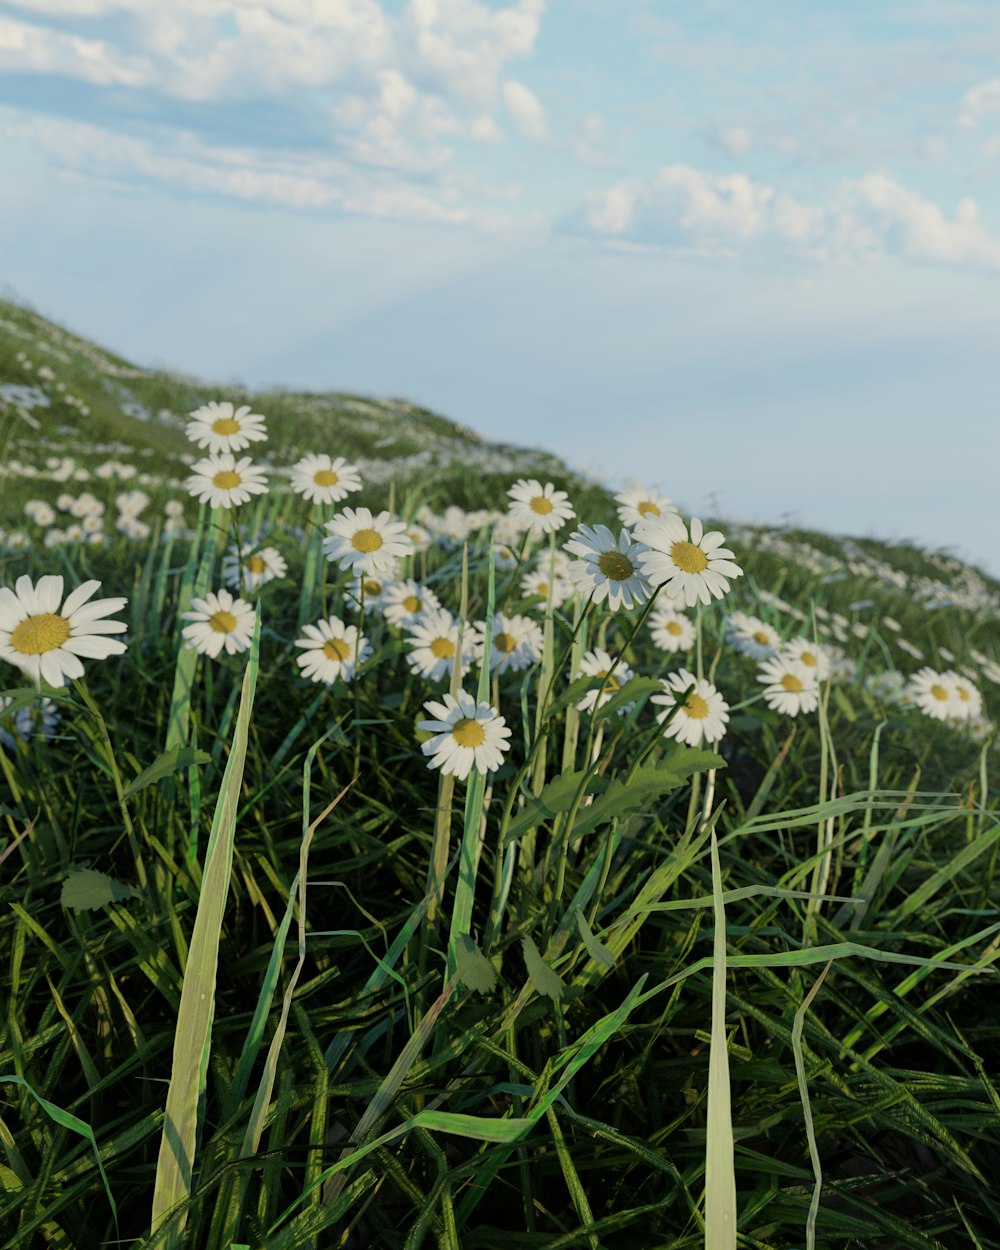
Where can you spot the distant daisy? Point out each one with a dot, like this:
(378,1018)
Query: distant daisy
(789,687)
(324,480)
(703,715)
(636,503)
(219,622)
(697,567)
(332,649)
(537,583)
(970,699)
(810,654)
(886,686)
(252,567)
(220,427)
(516,643)
(467,735)
(28,722)
(671,631)
(934,694)
(375,588)
(46,640)
(540,509)
(609,567)
(598,663)
(907,646)
(404,601)
(364,543)
(223,481)
(751,636)
(433,639)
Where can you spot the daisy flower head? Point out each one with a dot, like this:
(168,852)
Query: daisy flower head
(403,602)
(695,567)
(331,649)
(540,509)
(433,637)
(789,686)
(321,479)
(374,588)
(703,715)
(598,663)
(220,427)
(46,637)
(811,654)
(252,566)
(635,503)
(538,583)
(933,693)
(970,699)
(749,635)
(516,643)
(886,686)
(218,622)
(364,543)
(467,735)
(223,481)
(27,722)
(608,568)
(670,630)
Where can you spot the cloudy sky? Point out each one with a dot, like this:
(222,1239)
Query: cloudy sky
(749,253)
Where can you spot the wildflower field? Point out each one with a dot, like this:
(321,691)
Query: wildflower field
(407,842)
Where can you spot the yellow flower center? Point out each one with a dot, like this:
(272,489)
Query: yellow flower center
(647,508)
(372,587)
(762,638)
(468,732)
(443,648)
(615,566)
(222,622)
(963,694)
(226,479)
(939,693)
(541,505)
(336,649)
(792,683)
(325,477)
(808,658)
(696,707)
(675,628)
(412,604)
(41,633)
(225,425)
(256,565)
(689,558)
(542,588)
(366,540)
(505,643)
(611,683)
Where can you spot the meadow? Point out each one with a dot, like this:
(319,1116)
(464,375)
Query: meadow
(410,842)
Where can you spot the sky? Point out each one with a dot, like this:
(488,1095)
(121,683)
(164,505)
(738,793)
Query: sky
(749,254)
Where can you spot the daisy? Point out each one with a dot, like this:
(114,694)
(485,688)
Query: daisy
(636,503)
(537,583)
(403,602)
(810,654)
(28,721)
(696,568)
(598,663)
(219,621)
(323,480)
(365,543)
(220,427)
(516,643)
(467,735)
(434,639)
(751,636)
(374,587)
(933,693)
(789,687)
(609,568)
(540,509)
(224,481)
(671,631)
(254,566)
(332,650)
(704,713)
(909,648)
(45,640)
(887,686)
(970,699)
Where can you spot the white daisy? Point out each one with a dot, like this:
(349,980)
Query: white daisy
(598,663)
(28,721)
(46,641)
(374,587)
(219,621)
(537,583)
(321,479)
(516,645)
(467,735)
(223,481)
(751,636)
(636,503)
(220,427)
(540,509)
(704,713)
(933,693)
(970,699)
(254,566)
(907,646)
(695,567)
(887,686)
(433,638)
(810,654)
(332,649)
(609,568)
(671,631)
(364,543)
(403,602)
(789,687)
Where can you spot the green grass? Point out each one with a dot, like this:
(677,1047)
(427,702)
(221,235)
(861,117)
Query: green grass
(269,981)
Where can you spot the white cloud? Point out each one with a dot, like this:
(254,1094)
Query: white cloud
(736,140)
(29,49)
(683,207)
(978,102)
(526,110)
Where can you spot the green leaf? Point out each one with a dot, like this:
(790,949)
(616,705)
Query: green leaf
(474,970)
(597,951)
(170,762)
(86,889)
(573,693)
(554,798)
(646,784)
(543,979)
(631,691)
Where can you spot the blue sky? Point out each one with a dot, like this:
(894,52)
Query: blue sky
(747,253)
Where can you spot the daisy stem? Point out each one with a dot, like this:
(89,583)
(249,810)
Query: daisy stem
(356,683)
